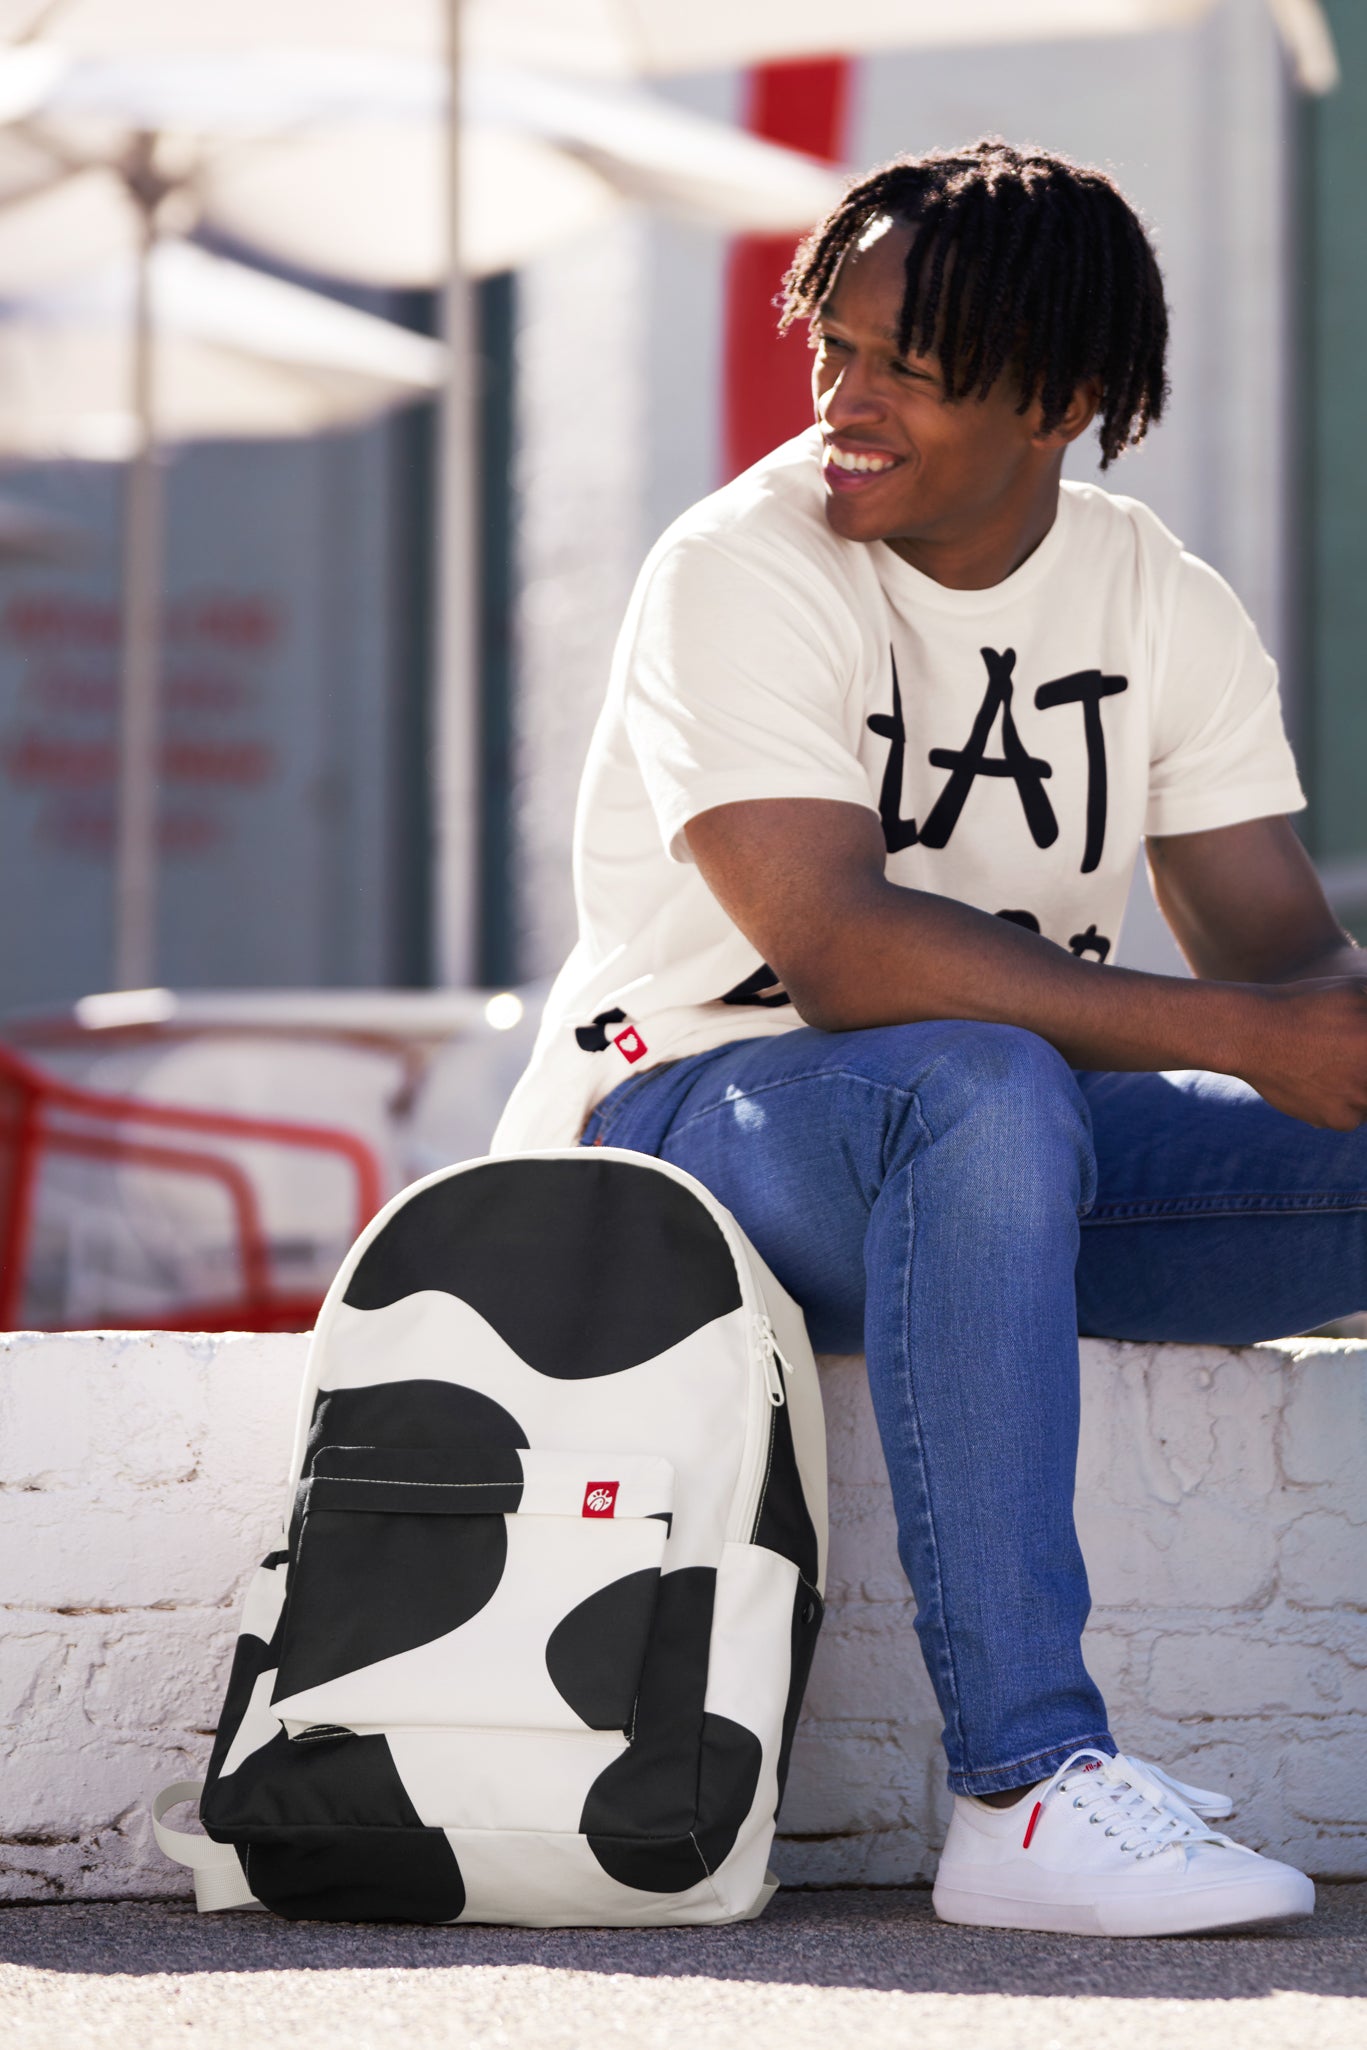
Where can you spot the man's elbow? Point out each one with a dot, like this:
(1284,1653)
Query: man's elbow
(832,958)
(825,999)
(835,1019)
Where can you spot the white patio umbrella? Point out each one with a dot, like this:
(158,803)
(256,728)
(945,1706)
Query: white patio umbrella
(238,355)
(541,157)
(180,347)
(630,38)
(333,160)
(637,38)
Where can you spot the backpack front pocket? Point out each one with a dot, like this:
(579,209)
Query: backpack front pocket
(492,1588)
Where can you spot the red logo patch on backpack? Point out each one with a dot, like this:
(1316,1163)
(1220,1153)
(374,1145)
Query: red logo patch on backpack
(600,1498)
(630,1044)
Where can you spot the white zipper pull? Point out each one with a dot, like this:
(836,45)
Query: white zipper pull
(773,1361)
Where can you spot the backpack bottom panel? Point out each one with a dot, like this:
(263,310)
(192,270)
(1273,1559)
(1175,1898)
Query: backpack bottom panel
(545,1881)
(529,1879)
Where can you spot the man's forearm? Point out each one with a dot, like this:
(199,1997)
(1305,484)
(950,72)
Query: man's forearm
(804,881)
(898,956)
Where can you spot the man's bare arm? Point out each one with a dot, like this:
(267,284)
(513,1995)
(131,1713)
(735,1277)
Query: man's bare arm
(1245,905)
(804,880)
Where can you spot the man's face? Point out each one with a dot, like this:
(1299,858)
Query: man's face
(938,470)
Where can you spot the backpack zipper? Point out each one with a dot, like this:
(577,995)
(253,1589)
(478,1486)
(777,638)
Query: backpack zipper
(774,1366)
(772,1360)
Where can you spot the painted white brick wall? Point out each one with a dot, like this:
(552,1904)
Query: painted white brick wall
(1221,1501)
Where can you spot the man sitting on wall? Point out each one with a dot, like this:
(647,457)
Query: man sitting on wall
(889,717)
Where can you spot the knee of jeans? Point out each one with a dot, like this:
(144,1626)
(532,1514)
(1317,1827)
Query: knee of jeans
(1011,1087)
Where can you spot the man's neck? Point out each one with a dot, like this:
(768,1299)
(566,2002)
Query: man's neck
(992,550)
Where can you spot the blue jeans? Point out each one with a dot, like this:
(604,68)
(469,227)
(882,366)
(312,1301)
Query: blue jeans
(953,1200)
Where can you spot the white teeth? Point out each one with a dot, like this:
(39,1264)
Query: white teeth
(844,461)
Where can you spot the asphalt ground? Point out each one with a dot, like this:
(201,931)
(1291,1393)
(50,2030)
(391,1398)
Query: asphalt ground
(866,1968)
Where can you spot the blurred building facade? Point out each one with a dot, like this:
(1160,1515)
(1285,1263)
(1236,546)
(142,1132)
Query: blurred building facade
(292,681)
(1332,538)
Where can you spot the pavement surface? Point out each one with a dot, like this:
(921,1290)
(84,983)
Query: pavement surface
(818,1972)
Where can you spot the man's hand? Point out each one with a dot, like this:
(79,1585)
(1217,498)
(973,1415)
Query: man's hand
(1310,1058)
(804,880)
(1245,905)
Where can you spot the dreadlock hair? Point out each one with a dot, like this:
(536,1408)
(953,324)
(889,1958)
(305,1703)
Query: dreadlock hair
(1020,259)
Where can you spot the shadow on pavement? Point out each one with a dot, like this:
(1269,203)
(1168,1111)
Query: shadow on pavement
(887,1940)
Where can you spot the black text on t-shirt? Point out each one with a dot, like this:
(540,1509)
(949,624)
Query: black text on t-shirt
(1085,687)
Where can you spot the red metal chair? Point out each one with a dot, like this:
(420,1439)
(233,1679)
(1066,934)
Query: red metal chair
(41,1115)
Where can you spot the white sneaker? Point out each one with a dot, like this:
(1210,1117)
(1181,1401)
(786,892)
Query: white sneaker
(1107,1848)
(1210,1807)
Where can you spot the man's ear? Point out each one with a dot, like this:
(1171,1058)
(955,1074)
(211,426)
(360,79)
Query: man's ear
(1081,410)
(1079,415)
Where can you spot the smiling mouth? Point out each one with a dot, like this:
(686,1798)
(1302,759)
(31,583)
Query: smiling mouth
(847,474)
(873,463)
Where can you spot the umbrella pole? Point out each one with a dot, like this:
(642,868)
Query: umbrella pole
(135,885)
(454,722)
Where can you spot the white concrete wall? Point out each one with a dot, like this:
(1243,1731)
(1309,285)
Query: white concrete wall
(1221,1499)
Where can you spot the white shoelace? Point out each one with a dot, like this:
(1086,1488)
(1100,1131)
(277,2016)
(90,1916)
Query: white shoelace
(1144,1816)
(1202,1801)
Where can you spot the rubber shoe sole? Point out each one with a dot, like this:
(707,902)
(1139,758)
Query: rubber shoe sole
(1278,1895)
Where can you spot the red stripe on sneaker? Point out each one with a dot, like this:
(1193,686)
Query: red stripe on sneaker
(1030,1825)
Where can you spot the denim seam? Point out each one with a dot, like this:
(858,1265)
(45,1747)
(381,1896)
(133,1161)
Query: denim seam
(913,1410)
(1060,1751)
(1179,1208)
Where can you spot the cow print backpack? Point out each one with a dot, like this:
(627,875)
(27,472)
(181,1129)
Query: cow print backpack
(533,1648)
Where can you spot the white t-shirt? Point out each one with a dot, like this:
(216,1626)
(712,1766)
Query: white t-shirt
(1017,743)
